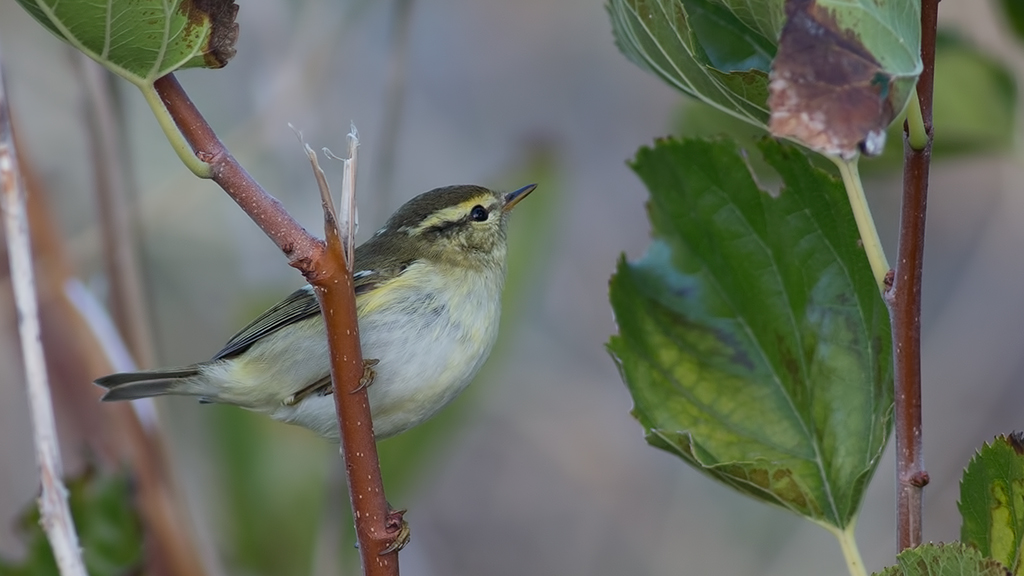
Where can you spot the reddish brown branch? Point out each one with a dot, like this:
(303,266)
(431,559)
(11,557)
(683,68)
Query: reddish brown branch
(327,272)
(365,484)
(301,247)
(904,301)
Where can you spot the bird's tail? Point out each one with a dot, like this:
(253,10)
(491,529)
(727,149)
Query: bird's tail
(135,385)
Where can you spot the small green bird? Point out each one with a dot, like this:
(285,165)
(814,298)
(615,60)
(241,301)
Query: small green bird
(428,295)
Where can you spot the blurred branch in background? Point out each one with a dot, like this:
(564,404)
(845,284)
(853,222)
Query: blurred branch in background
(110,435)
(55,514)
(127,298)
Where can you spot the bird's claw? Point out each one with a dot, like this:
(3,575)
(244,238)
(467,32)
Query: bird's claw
(368,374)
(395,524)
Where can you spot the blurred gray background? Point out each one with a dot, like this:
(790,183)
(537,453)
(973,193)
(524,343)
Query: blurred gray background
(539,469)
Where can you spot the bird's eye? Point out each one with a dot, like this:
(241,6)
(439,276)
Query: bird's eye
(478,213)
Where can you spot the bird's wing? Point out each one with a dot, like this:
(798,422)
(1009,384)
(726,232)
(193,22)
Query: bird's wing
(299,305)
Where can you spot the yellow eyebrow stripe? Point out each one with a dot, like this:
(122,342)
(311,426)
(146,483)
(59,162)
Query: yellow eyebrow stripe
(452,213)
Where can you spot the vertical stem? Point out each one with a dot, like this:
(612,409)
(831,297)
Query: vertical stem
(376,526)
(904,301)
(358,447)
(54,513)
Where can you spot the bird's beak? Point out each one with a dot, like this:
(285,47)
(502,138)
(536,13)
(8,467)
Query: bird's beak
(513,198)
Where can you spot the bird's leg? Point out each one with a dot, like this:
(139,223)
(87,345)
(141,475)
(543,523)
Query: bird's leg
(368,374)
(395,524)
(323,386)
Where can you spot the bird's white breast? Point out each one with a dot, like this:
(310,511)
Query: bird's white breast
(430,339)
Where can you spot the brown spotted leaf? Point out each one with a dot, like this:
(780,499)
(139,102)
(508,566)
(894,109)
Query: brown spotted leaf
(843,71)
(142,40)
(752,336)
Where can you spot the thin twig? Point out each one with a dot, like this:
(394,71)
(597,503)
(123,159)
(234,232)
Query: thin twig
(904,301)
(127,297)
(325,268)
(55,515)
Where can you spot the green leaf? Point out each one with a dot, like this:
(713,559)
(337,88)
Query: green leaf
(765,16)
(844,70)
(751,335)
(992,501)
(953,559)
(109,530)
(703,48)
(142,40)
(1014,10)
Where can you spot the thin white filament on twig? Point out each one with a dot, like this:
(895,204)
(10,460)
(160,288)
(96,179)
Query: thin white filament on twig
(348,219)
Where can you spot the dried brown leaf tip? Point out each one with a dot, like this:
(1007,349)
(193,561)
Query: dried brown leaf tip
(1016,441)
(826,89)
(220,44)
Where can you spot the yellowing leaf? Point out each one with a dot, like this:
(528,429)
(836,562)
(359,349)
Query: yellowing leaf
(992,501)
(752,336)
(843,71)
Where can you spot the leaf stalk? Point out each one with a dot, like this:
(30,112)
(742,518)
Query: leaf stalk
(851,552)
(174,136)
(862,214)
(917,134)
